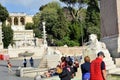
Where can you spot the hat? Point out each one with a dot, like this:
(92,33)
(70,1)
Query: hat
(101,53)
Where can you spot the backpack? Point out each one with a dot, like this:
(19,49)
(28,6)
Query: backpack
(58,70)
(71,71)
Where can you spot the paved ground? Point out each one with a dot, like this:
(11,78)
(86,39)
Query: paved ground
(5,75)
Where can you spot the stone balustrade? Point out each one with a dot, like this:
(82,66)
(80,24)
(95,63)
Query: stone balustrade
(30,72)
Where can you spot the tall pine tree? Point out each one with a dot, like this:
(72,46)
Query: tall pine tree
(92,19)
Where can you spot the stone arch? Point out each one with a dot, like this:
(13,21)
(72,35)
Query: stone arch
(15,21)
(22,21)
(9,21)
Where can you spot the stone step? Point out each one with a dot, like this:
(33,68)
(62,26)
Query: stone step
(110,67)
(30,72)
(109,63)
(107,59)
(114,70)
(53,60)
(43,63)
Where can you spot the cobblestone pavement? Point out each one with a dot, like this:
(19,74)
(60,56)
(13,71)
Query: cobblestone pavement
(6,75)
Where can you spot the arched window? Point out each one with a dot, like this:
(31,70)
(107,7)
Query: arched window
(22,20)
(15,21)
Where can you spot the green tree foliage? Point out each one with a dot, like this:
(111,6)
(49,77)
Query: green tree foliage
(3,13)
(72,4)
(60,29)
(38,33)
(78,18)
(93,18)
(56,23)
(36,20)
(29,26)
(67,25)
(75,31)
(36,25)
(7,35)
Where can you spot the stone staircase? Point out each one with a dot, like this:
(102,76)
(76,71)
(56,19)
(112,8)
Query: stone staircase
(49,59)
(110,65)
(43,62)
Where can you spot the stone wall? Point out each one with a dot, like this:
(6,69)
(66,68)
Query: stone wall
(69,50)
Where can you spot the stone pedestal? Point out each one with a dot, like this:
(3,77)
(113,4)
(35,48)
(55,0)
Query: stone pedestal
(94,47)
(110,25)
(113,44)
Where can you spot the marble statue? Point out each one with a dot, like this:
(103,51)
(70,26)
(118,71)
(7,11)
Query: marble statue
(92,47)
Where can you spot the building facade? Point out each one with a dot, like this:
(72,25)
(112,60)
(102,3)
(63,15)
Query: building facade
(21,36)
(18,20)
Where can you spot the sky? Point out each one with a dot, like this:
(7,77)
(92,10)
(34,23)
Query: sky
(27,6)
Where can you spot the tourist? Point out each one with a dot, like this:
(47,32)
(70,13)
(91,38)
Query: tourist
(75,66)
(9,65)
(85,68)
(97,68)
(69,59)
(63,62)
(67,72)
(31,62)
(25,62)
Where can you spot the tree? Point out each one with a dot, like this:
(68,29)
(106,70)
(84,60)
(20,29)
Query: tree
(60,29)
(75,7)
(56,24)
(8,35)
(92,19)
(77,11)
(75,31)
(3,13)
(36,20)
(29,26)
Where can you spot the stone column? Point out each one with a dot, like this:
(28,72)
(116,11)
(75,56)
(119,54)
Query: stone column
(12,21)
(19,23)
(44,35)
(1,43)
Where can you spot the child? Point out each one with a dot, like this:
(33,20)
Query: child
(9,66)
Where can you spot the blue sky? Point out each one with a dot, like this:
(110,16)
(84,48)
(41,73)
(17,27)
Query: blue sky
(27,6)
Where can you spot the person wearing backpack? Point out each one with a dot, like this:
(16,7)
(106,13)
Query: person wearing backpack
(67,72)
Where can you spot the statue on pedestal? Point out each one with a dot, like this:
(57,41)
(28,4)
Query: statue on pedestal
(94,46)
